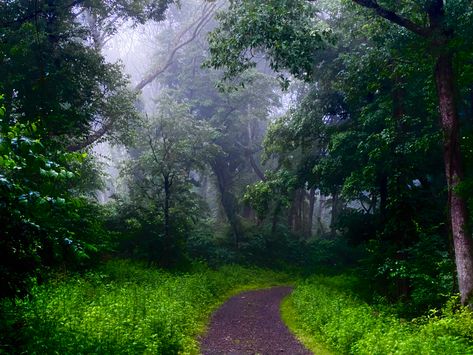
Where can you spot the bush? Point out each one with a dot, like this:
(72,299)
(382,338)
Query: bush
(44,222)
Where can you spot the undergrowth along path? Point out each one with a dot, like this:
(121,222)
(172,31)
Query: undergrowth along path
(250,323)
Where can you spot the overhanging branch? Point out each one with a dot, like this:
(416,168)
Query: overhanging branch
(197,27)
(394,17)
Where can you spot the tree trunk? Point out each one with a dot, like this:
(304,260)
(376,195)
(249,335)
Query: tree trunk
(295,218)
(300,211)
(275,218)
(290,215)
(440,36)
(167,197)
(383,196)
(319,227)
(227,199)
(311,211)
(334,213)
(462,241)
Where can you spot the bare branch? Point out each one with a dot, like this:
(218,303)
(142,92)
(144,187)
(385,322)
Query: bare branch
(91,138)
(194,29)
(198,25)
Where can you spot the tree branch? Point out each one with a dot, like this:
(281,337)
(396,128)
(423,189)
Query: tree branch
(198,25)
(394,18)
(92,138)
(195,28)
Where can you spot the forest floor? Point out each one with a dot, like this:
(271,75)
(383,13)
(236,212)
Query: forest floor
(250,323)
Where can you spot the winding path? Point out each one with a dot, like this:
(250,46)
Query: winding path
(250,323)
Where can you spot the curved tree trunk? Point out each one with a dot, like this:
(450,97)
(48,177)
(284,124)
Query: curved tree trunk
(440,35)
(227,199)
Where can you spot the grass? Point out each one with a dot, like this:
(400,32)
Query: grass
(324,312)
(124,308)
(127,308)
(290,318)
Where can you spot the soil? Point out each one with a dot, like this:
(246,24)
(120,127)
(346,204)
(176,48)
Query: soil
(250,323)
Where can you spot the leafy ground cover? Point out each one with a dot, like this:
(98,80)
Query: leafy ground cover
(325,310)
(123,308)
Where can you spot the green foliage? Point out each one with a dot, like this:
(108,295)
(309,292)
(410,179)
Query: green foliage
(291,320)
(328,310)
(365,130)
(428,267)
(239,117)
(138,231)
(284,29)
(60,95)
(271,195)
(43,223)
(123,308)
(136,11)
(280,249)
(50,71)
(170,152)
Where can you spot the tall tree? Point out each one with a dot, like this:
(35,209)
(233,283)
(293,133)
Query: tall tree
(171,148)
(239,117)
(51,67)
(290,32)
(440,34)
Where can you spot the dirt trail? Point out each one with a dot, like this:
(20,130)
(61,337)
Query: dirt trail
(250,323)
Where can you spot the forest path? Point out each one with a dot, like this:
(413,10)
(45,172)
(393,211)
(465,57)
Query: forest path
(250,323)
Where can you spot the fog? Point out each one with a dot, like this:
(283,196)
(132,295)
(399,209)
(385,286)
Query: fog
(152,55)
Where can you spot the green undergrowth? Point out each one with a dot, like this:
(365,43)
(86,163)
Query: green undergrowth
(123,308)
(291,320)
(325,312)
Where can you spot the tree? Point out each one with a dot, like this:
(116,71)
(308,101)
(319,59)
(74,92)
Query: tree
(239,117)
(60,96)
(184,36)
(440,34)
(50,67)
(291,42)
(171,148)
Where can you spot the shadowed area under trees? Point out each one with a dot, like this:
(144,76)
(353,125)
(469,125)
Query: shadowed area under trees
(184,151)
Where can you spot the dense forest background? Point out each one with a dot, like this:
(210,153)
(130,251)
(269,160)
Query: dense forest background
(320,137)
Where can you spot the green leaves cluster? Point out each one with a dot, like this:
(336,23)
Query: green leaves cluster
(272,194)
(169,157)
(42,222)
(59,96)
(50,73)
(287,30)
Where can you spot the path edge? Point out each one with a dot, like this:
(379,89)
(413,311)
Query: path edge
(205,321)
(289,318)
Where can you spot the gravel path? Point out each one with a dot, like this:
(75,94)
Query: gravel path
(250,323)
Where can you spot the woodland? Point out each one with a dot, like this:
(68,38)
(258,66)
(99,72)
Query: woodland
(160,156)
